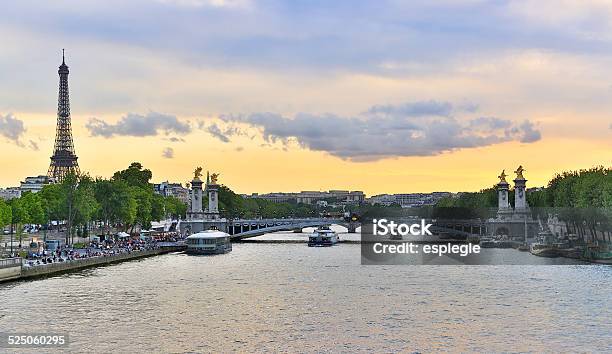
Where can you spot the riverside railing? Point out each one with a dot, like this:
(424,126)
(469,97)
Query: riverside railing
(10,262)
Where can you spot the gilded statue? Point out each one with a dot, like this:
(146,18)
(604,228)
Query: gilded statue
(519,172)
(213,178)
(197,173)
(502,177)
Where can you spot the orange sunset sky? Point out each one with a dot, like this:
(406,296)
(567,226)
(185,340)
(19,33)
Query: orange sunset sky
(279,96)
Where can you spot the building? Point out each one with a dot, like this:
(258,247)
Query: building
(10,193)
(176,190)
(409,200)
(382,199)
(274,197)
(313,197)
(35,184)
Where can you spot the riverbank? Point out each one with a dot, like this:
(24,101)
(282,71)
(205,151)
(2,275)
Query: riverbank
(21,272)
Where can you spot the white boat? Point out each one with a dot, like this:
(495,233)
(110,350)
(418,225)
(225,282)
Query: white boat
(322,237)
(209,242)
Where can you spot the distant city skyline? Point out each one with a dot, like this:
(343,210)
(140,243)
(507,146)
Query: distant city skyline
(282,96)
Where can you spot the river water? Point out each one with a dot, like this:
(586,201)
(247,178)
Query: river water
(292,298)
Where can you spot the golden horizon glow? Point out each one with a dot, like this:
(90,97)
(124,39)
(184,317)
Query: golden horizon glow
(263,169)
(550,96)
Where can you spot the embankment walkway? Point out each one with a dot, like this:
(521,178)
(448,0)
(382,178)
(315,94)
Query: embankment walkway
(13,269)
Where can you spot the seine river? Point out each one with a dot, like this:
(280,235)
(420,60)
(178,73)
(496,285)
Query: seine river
(291,298)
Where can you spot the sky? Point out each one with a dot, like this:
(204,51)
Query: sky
(378,96)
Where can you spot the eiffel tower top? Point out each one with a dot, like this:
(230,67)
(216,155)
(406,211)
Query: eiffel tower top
(63,69)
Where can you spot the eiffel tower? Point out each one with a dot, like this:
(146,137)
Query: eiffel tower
(64,159)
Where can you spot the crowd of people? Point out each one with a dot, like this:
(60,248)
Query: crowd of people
(67,253)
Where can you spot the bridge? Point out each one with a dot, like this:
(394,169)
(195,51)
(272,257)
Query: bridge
(459,227)
(199,218)
(241,229)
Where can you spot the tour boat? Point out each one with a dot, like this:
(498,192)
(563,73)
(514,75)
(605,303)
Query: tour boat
(322,237)
(209,242)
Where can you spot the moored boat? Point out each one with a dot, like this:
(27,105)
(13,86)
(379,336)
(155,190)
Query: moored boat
(544,250)
(523,247)
(209,242)
(599,253)
(487,242)
(545,247)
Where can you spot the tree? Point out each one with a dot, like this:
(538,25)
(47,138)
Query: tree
(158,207)
(19,215)
(126,207)
(104,192)
(68,189)
(86,203)
(33,204)
(6,214)
(143,197)
(175,208)
(134,175)
(51,196)
(117,203)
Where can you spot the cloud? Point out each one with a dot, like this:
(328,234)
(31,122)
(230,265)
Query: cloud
(221,134)
(13,130)
(527,133)
(33,145)
(217,133)
(404,133)
(209,3)
(415,109)
(138,125)
(168,153)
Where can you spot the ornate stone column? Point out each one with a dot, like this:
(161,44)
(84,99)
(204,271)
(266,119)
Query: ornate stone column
(213,194)
(520,195)
(503,204)
(196,192)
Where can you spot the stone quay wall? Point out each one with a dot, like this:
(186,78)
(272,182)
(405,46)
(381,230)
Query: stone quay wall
(49,269)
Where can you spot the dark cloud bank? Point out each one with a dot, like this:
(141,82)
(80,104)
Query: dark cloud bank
(418,129)
(412,129)
(138,125)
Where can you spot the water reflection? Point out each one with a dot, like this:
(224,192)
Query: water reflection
(289,297)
